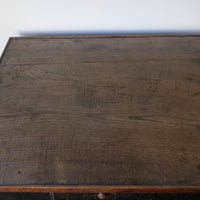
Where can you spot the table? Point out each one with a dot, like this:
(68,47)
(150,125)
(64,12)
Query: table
(90,114)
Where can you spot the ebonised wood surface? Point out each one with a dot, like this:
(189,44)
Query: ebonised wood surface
(154,196)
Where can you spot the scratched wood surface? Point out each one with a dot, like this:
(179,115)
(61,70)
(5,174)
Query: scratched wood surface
(100,111)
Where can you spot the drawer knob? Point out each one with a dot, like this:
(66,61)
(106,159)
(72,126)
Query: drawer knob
(101,195)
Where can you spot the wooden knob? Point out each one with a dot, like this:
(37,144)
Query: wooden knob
(101,195)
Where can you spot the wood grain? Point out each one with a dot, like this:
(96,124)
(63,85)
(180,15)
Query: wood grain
(100,111)
(62,50)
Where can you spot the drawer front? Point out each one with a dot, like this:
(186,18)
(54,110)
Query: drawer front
(46,196)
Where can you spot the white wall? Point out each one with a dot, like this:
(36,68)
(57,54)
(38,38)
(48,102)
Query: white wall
(18,17)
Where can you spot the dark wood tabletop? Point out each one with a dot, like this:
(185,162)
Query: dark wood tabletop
(100,111)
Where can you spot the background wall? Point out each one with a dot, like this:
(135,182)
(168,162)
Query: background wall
(33,17)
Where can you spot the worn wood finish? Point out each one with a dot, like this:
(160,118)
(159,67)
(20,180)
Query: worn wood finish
(100,111)
(100,50)
(101,189)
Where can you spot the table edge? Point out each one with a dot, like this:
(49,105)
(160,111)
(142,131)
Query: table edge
(99,188)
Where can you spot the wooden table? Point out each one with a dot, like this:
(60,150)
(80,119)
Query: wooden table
(90,114)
